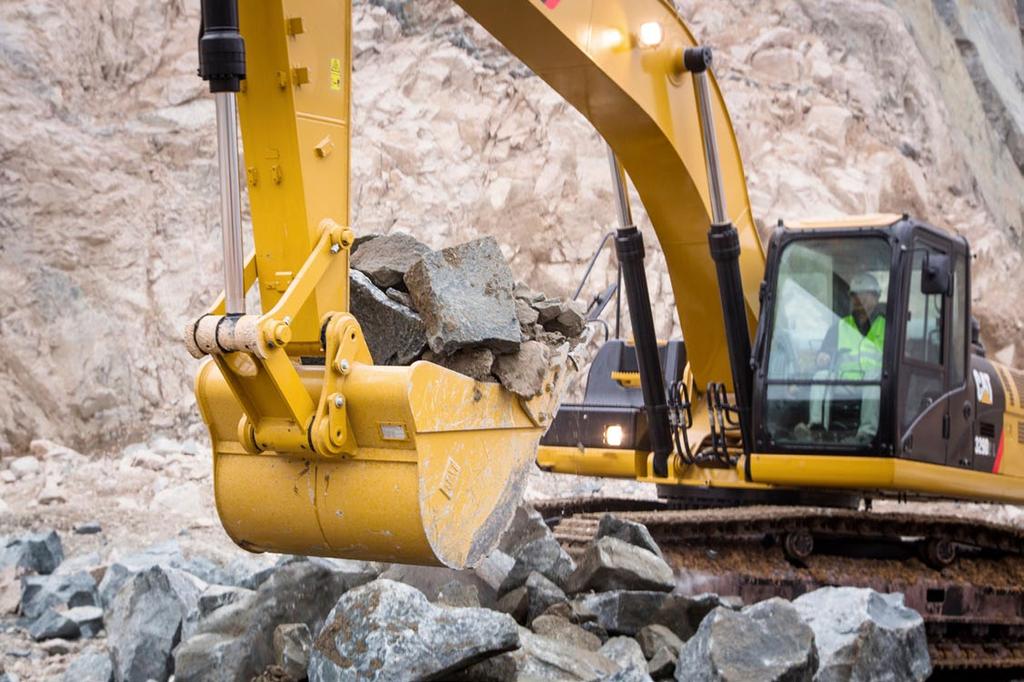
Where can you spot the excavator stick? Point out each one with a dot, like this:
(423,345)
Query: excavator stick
(317,451)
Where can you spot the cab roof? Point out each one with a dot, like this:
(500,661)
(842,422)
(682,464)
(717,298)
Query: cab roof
(847,222)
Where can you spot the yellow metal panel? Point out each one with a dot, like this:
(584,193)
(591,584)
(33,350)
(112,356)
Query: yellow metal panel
(649,117)
(885,473)
(627,379)
(604,462)
(1011,463)
(296,144)
(824,471)
(633,464)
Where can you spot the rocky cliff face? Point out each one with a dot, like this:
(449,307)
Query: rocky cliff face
(108,210)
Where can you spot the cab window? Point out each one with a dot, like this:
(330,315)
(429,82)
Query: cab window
(924,340)
(924,319)
(827,346)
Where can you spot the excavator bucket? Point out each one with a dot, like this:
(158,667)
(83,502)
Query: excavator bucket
(442,461)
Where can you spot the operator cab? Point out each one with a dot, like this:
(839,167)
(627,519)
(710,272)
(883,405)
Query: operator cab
(863,342)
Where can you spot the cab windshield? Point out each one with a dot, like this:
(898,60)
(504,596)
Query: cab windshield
(828,341)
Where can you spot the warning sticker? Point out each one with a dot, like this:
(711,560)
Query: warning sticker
(335,73)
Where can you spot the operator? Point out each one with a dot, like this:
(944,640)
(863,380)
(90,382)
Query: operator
(852,349)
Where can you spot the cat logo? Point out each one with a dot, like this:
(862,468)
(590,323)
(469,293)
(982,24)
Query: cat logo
(983,383)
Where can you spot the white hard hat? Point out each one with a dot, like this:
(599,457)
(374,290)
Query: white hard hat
(865,283)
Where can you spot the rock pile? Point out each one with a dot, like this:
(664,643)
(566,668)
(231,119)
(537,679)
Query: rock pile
(460,308)
(528,612)
(627,625)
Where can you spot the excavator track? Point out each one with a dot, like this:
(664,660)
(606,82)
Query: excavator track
(973,608)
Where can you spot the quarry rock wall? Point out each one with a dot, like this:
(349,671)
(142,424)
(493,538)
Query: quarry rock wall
(109,239)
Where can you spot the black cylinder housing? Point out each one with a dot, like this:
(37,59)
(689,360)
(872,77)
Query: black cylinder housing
(629,245)
(221,46)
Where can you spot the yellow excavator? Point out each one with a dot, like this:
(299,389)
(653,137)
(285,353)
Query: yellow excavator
(843,359)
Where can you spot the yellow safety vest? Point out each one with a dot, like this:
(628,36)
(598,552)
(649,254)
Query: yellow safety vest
(860,355)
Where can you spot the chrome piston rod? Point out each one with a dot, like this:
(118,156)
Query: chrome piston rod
(619,186)
(709,137)
(724,244)
(230,202)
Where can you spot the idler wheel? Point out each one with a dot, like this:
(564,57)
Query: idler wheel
(939,552)
(798,545)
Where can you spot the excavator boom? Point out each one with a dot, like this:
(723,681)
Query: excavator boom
(617,63)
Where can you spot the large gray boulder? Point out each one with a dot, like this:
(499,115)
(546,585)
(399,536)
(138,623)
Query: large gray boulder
(527,316)
(541,594)
(524,372)
(628,531)
(460,594)
(212,598)
(543,555)
(562,630)
(292,645)
(662,665)
(42,592)
(863,635)
(32,553)
(88,619)
(234,643)
(547,309)
(766,642)
(626,653)
(526,526)
(571,320)
(90,562)
(494,569)
(464,294)
(515,603)
(213,656)
(51,625)
(653,638)
(92,665)
(531,599)
(250,572)
(627,612)
(550,659)
(145,619)
(394,333)
(166,554)
(385,260)
(541,658)
(386,630)
(630,675)
(611,564)
(475,363)
(433,580)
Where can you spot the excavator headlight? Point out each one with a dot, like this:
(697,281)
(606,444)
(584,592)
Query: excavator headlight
(651,34)
(611,38)
(614,435)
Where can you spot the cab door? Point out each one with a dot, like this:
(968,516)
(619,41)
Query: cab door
(922,403)
(963,407)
